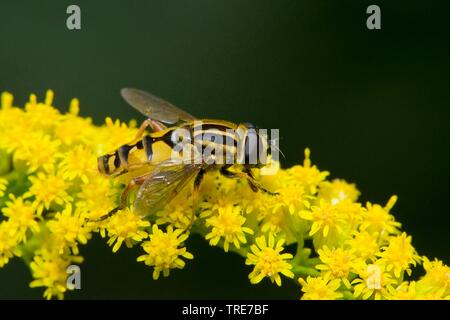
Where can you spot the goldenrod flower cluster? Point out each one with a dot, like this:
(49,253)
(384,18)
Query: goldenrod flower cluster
(314,231)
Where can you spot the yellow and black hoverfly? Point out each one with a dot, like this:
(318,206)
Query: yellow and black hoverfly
(180,149)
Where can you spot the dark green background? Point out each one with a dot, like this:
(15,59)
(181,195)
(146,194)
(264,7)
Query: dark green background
(373,106)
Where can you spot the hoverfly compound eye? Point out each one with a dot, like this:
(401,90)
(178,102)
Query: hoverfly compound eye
(250,125)
(251,146)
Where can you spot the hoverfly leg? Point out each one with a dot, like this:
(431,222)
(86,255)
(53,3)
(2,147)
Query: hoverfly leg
(254,185)
(142,128)
(226,173)
(124,196)
(109,214)
(252,181)
(198,180)
(259,186)
(155,125)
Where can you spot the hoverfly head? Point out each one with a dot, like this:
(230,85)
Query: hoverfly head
(256,145)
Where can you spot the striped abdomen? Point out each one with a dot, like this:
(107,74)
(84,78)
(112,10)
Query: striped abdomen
(128,154)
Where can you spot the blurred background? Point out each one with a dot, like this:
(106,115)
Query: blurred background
(373,106)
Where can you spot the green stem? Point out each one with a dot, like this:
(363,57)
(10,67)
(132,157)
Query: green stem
(5,162)
(348,295)
(312,262)
(298,253)
(305,271)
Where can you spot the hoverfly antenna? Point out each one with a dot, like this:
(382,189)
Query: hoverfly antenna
(275,146)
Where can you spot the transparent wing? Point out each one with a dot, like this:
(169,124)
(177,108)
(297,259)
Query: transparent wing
(163,185)
(154,107)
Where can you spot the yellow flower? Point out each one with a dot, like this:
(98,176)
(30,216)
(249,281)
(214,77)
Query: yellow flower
(292,198)
(399,255)
(414,291)
(50,270)
(48,189)
(327,224)
(405,291)
(74,130)
(272,176)
(320,288)
(227,224)
(3,184)
(377,219)
(436,280)
(212,204)
(325,218)
(258,203)
(38,150)
(13,124)
(338,190)
(22,216)
(96,198)
(125,226)
(78,163)
(352,214)
(308,176)
(364,245)
(113,135)
(6,100)
(69,229)
(8,242)
(268,260)
(164,251)
(177,213)
(42,115)
(52,198)
(373,282)
(337,263)
(274,220)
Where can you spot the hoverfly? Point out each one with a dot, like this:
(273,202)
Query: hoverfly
(148,162)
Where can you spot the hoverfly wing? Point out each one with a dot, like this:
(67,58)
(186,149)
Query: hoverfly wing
(163,185)
(154,107)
